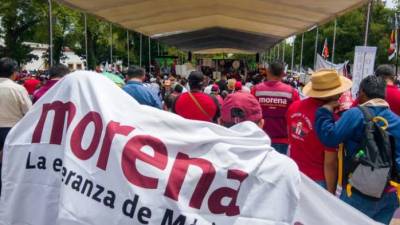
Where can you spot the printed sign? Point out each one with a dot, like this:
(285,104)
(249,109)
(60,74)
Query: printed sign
(364,61)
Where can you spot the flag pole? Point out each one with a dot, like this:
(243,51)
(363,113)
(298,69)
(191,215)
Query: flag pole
(334,43)
(141,49)
(50,34)
(367,24)
(316,47)
(292,63)
(86,42)
(149,54)
(111,44)
(301,52)
(128,47)
(283,51)
(279,51)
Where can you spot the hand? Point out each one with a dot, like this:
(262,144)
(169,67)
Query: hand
(331,105)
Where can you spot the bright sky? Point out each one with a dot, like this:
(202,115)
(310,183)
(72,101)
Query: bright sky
(390,4)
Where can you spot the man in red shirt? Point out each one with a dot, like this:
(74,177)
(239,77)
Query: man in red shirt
(313,158)
(55,73)
(195,104)
(31,84)
(392,91)
(275,98)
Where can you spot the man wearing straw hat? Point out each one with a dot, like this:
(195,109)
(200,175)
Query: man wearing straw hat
(350,130)
(313,158)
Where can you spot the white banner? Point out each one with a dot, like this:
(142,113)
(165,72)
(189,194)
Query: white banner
(325,64)
(364,61)
(87,153)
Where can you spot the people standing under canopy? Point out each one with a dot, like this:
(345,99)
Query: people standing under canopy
(136,88)
(195,104)
(351,130)
(55,74)
(275,98)
(313,158)
(14,100)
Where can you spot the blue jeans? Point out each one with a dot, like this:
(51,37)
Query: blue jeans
(380,210)
(3,134)
(281,148)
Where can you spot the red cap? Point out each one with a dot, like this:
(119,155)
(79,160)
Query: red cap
(238,86)
(239,107)
(215,88)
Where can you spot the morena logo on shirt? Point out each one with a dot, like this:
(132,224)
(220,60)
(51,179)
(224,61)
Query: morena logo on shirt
(273,100)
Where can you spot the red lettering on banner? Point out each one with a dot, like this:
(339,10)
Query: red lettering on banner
(79,131)
(132,152)
(112,129)
(177,176)
(60,111)
(214,202)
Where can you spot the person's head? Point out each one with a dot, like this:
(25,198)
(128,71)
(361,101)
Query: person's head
(135,72)
(327,85)
(8,67)
(231,85)
(178,88)
(169,101)
(371,87)
(196,80)
(184,81)
(276,69)
(239,107)
(386,72)
(167,84)
(58,71)
(215,89)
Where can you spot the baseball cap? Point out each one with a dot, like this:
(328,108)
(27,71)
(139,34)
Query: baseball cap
(215,88)
(238,86)
(239,107)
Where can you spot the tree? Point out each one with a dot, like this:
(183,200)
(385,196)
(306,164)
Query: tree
(18,17)
(349,33)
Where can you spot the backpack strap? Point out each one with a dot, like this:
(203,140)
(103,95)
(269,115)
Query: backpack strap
(366,113)
(340,165)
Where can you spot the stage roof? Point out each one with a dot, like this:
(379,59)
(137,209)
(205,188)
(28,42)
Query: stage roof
(249,25)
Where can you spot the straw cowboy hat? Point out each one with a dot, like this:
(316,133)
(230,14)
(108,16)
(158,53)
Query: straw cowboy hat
(326,83)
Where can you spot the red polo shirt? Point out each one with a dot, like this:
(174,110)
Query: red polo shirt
(187,108)
(305,148)
(31,85)
(393,98)
(275,97)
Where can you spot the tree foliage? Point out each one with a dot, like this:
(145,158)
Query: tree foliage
(18,19)
(350,32)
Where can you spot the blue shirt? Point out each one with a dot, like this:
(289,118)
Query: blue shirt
(349,129)
(142,94)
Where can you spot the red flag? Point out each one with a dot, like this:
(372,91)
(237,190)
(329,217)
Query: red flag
(325,50)
(392,51)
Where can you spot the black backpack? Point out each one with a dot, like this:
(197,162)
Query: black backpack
(372,165)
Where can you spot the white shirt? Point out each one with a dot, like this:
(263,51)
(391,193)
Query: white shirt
(14,102)
(207,90)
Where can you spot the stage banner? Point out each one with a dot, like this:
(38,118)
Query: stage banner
(364,61)
(88,153)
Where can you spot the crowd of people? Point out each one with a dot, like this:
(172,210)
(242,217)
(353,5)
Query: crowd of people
(325,135)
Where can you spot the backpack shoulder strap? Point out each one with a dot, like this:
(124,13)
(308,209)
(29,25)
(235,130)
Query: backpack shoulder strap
(366,113)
